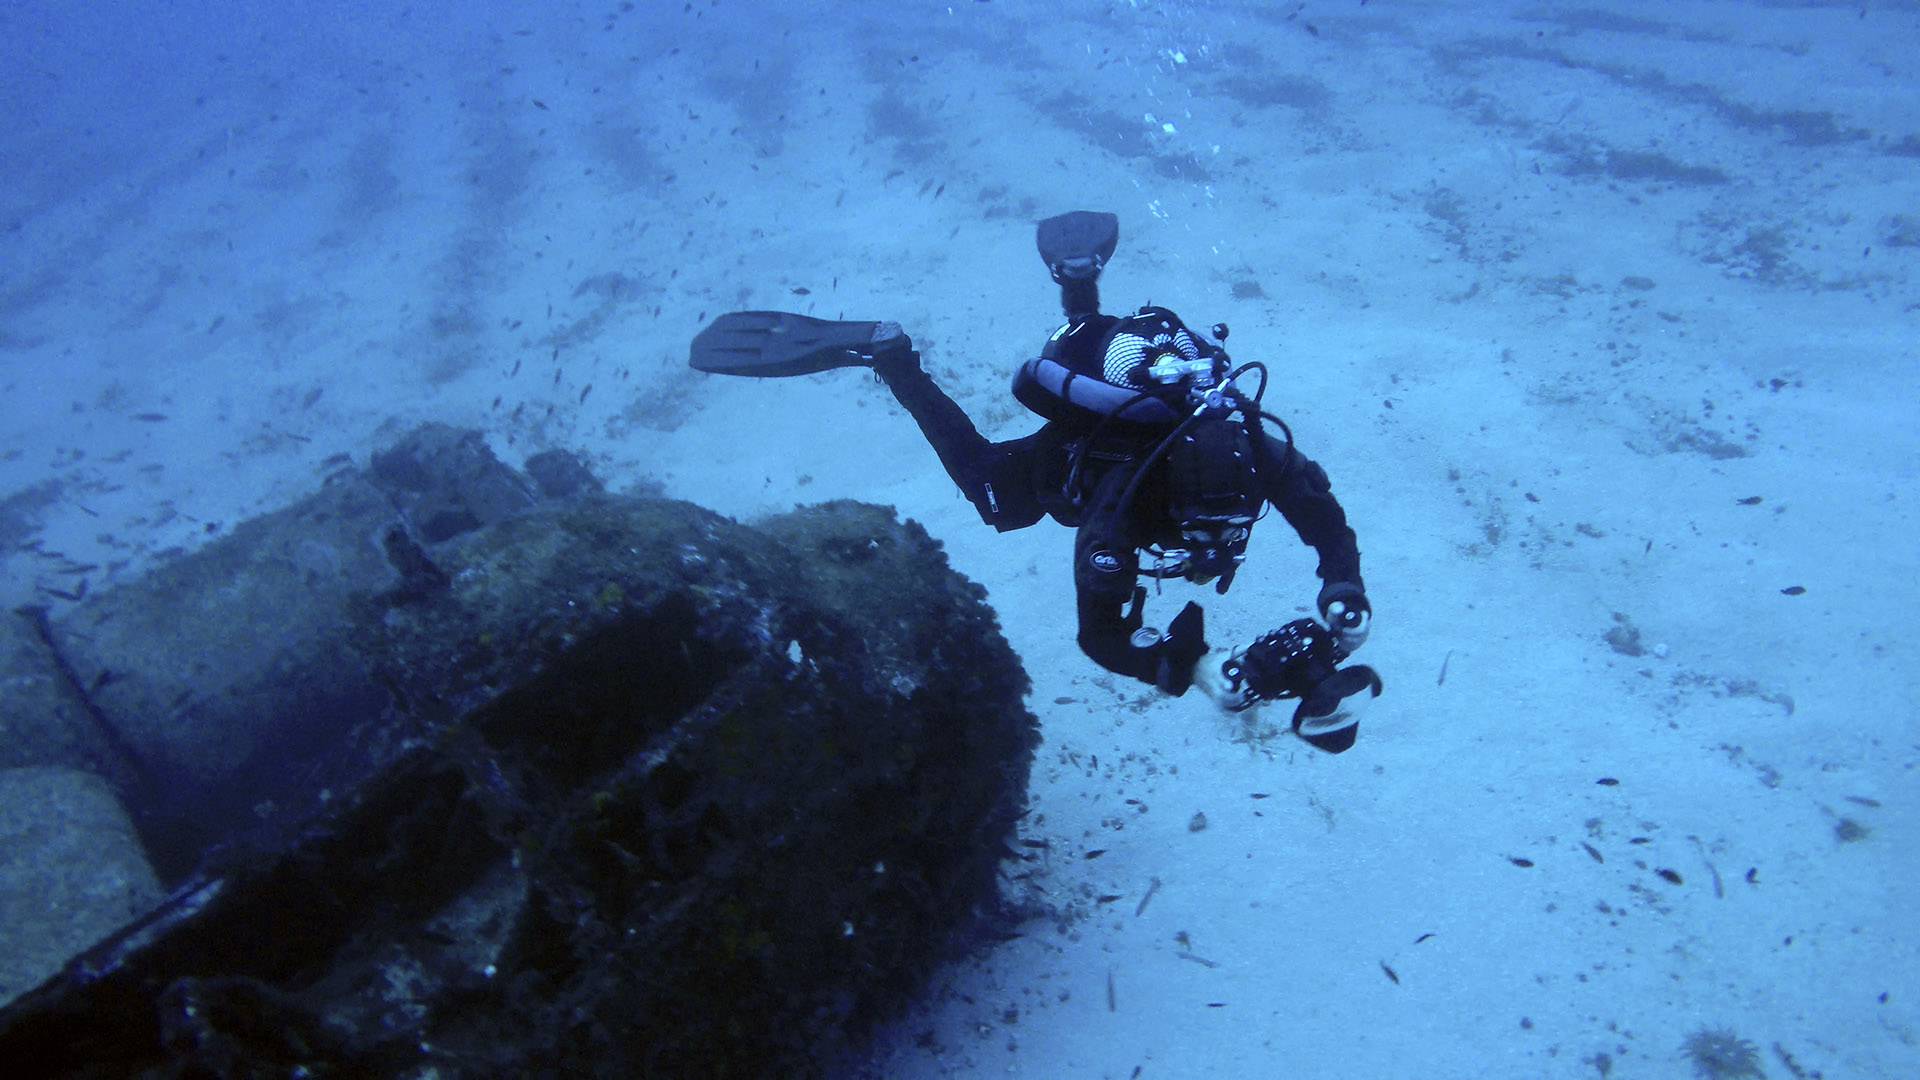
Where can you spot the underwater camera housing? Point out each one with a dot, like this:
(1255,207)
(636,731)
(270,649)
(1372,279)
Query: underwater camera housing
(1302,660)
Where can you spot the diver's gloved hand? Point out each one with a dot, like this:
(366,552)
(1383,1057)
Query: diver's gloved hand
(1220,676)
(1184,643)
(1344,608)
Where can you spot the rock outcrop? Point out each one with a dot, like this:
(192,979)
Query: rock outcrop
(586,785)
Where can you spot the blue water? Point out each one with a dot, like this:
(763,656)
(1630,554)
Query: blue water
(1601,318)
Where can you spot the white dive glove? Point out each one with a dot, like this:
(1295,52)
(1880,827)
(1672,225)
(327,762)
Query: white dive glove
(1210,677)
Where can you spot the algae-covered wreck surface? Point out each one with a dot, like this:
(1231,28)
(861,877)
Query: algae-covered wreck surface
(649,792)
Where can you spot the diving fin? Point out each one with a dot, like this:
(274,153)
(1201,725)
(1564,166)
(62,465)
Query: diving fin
(1077,246)
(771,344)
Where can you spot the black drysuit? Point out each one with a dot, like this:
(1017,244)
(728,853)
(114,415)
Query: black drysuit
(1014,484)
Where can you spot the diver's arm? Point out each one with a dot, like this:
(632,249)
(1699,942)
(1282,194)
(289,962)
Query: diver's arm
(1111,636)
(1299,489)
(1106,573)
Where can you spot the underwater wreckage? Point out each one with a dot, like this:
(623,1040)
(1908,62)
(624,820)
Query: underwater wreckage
(458,770)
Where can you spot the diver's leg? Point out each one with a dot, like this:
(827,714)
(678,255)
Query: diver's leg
(961,447)
(1106,569)
(997,478)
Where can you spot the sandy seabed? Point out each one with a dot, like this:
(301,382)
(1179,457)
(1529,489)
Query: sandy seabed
(1602,320)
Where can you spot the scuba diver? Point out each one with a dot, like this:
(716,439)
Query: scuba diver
(1152,451)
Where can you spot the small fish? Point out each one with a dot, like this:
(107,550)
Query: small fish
(541,105)
(1520,862)
(1390,973)
(77,593)
(150,417)
(1153,886)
